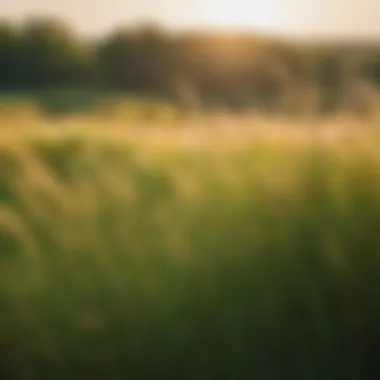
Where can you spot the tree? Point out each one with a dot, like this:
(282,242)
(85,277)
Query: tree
(370,68)
(9,50)
(134,60)
(53,55)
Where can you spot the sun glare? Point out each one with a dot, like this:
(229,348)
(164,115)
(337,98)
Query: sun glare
(241,14)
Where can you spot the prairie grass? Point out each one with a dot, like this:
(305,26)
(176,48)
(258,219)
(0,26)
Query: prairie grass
(244,253)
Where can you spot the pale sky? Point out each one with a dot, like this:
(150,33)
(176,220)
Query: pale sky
(340,18)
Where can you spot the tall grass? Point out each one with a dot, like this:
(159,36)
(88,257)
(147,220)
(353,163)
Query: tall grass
(189,255)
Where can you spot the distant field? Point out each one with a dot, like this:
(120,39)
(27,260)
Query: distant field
(249,252)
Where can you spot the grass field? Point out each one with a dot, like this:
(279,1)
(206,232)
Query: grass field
(189,253)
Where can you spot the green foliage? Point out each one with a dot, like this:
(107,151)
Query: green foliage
(189,256)
(199,70)
(133,60)
(63,101)
(44,52)
(9,54)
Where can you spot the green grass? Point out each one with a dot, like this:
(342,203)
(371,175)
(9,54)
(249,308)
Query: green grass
(189,255)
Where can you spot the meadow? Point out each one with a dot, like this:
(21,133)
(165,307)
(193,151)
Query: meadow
(188,248)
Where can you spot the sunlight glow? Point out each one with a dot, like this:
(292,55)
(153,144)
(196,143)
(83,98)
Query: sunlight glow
(242,14)
(341,17)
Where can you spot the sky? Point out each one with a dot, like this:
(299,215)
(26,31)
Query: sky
(336,18)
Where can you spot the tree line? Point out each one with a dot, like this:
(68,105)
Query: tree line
(199,67)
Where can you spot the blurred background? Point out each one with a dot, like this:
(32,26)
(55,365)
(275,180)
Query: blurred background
(287,57)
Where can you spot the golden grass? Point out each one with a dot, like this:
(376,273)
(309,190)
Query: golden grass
(204,251)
